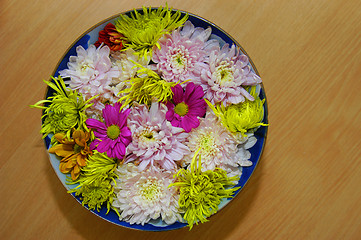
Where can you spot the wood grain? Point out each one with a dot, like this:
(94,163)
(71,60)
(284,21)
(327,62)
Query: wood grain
(307,185)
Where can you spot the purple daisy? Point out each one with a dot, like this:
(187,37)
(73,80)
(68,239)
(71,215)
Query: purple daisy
(186,107)
(112,135)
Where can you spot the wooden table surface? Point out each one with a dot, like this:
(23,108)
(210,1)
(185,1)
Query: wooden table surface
(308,182)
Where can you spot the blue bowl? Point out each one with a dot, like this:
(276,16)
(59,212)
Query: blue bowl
(90,37)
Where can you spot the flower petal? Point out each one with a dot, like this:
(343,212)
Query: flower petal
(104,145)
(178,94)
(96,124)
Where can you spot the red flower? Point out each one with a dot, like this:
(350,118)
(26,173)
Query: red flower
(110,37)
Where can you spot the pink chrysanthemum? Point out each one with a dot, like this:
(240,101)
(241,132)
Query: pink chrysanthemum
(218,146)
(227,72)
(91,73)
(112,135)
(144,195)
(155,142)
(186,106)
(182,53)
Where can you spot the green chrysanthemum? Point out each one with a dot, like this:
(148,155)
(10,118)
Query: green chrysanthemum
(202,192)
(95,182)
(142,31)
(239,118)
(65,110)
(146,87)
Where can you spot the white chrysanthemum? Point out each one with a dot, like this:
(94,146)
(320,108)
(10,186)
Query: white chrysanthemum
(125,62)
(143,196)
(228,71)
(90,71)
(218,146)
(155,142)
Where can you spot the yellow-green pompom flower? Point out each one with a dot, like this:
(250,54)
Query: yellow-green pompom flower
(143,30)
(202,192)
(239,118)
(95,182)
(65,110)
(146,87)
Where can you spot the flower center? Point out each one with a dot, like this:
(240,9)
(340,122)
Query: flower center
(85,66)
(77,148)
(202,189)
(113,132)
(224,73)
(148,135)
(207,142)
(150,190)
(181,109)
(179,59)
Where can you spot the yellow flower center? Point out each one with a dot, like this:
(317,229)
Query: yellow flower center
(224,73)
(113,132)
(181,109)
(207,143)
(178,61)
(151,190)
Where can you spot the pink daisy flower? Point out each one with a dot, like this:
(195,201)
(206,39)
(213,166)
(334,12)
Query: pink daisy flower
(186,106)
(227,72)
(155,142)
(112,135)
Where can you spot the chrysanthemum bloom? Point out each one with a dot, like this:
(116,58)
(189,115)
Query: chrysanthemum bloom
(95,183)
(202,191)
(112,135)
(227,73)
(126,62)
(186,106)
(155,142)
(91,72)
(65,110)
(217,145)
(75,152)
(239,118)
(146,88)
(146,196)
(143,30)
(110,37)
(182,53)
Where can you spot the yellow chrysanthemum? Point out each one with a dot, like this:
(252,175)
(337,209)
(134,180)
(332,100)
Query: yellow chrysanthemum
(65,110)
(239,118)
(95,183)
(142,30)
(202,192)
(146,87)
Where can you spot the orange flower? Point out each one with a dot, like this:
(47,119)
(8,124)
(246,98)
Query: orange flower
(74,151)
(110,37)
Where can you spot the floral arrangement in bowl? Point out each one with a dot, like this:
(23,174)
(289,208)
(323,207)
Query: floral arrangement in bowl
(154,119)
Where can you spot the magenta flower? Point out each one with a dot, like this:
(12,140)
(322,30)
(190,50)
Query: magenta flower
(186,107)
(112,135)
